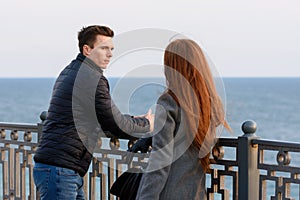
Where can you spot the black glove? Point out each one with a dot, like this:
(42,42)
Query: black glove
(141,145)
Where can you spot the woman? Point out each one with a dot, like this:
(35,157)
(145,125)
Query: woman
(186,119)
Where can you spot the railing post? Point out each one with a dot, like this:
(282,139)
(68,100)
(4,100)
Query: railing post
(248,174)
(40,125)
(43,117)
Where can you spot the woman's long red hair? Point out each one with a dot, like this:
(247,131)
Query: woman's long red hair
(190,82)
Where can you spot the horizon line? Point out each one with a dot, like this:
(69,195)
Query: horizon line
(54,77)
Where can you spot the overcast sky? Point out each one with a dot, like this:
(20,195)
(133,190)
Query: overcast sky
(243,38)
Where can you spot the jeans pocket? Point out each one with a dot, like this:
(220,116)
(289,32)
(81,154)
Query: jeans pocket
(67,172)
(41,178)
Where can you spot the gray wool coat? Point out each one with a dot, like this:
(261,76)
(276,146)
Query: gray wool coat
(174,169)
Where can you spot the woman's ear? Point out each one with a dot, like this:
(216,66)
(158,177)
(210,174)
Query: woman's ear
(86,50)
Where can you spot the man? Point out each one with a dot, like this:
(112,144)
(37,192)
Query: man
(80,111)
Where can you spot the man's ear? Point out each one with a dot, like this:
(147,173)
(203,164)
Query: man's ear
(86,50)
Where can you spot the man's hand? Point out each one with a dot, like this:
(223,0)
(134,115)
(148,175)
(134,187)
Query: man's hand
(150,118)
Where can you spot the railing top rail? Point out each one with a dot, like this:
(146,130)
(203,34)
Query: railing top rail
(18,126)
(231,142)
(274,144)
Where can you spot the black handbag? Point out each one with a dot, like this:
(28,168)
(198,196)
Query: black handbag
(126,186)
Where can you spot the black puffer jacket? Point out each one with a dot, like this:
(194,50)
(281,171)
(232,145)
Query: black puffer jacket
(81,110)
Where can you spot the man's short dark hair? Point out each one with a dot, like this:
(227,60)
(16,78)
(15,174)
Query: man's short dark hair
(87,35)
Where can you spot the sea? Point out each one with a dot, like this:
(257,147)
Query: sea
(273,103)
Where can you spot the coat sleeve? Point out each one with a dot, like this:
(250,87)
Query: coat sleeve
(161,157)
(111,119)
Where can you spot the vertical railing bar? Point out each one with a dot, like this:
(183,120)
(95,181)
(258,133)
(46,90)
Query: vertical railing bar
(85,186)
(103,180)
(11,171)
(262,188)
(17,172)
(92,185)
(6,173)
(23,179)
(31,182)
(287,191)
(111,177)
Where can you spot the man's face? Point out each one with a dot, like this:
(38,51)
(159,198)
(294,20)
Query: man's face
(102,51)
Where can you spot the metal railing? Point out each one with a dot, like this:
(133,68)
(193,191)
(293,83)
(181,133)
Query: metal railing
(18,143)
(242,168)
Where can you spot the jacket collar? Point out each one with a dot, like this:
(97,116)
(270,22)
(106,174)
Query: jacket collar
(89,62)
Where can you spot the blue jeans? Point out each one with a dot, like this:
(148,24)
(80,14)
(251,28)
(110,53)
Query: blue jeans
(57,183)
